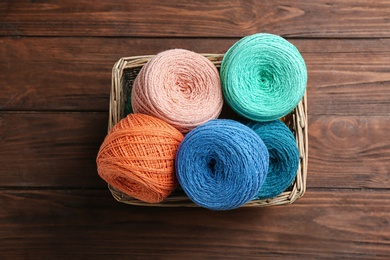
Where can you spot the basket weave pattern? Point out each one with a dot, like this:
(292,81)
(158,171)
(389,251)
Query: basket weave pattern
(124,73)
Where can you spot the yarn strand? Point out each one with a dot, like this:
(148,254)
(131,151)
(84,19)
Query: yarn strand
(180,87)
(137,157)
(283,153)
(263,77)
(221,164)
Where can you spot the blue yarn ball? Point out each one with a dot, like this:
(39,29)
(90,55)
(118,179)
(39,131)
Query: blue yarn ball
(221,164)
(283,157)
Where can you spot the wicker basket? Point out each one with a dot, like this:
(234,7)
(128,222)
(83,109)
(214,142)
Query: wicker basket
(124,73)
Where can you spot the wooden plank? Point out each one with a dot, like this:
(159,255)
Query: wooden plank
(349,151)
(50,149)
(349,77)
(89,224)
(346,77)
(59,150)
(74,73)
(223,18)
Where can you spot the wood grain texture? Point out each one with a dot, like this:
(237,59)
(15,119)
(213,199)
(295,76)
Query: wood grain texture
(222,18)
(81,224)
(59,150)
(346,77)
(349,152)
(50,149)
(74,73)
(55,75)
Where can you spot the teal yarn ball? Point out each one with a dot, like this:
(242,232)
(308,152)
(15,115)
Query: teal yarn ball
(221,164)
(263,77)
(283,157)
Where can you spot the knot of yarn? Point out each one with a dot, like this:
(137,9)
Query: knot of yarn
(221,164)
(179,86)
(137,157)
(263,77)
(283,157)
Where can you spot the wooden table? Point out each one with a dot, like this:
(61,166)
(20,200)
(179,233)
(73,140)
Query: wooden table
(55,75)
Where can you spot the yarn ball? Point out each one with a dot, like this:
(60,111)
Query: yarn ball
(263,77)
(221,164)
(137,157)
(179,86)
(283,157)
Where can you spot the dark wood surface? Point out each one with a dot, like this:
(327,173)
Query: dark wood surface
(55,74)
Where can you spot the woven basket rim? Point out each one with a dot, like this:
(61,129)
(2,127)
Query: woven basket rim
(300,129)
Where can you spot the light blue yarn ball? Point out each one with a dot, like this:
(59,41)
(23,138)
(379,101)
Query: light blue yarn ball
(283,157)
(263,77)
(221,164)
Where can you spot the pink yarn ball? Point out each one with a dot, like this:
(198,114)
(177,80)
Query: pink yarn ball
(180,87)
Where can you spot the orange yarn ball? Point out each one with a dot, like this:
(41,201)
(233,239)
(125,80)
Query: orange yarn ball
(137,157)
